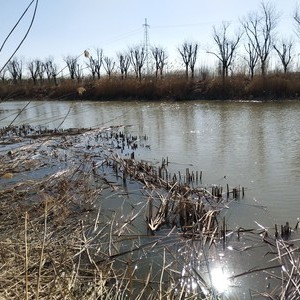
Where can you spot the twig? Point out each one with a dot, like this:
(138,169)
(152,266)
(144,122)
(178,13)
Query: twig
(42,250)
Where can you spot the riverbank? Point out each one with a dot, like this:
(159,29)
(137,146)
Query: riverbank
(272,87)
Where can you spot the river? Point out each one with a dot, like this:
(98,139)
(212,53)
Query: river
(252,144)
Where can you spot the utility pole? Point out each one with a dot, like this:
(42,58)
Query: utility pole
(146,43)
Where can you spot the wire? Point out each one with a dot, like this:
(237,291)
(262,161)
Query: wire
(181,25)
(123,36)
(66,115)
(19,114)
(16,25)
(25,36)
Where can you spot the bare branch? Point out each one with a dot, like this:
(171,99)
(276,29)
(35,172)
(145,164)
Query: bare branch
(259,28)
(226,47)
(285,54)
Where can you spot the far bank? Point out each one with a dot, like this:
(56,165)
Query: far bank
(178,88)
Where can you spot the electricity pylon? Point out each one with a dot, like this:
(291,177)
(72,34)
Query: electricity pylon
(146,44)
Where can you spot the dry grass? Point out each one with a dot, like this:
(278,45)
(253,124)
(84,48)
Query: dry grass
(43,245)
(171,87)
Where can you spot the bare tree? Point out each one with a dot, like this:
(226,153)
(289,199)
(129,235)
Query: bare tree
(297,20)
(74,68)
(124,64)
(71,62)
(137,58)
(226,47)
(251,59)
(34,69)
(188,52)
(260,28)
(92,66)
(15,68)
(78,72)
(95,63)
(193,60)
(108,65)
(42,71)
(160,57)
(3,74)
(285,54)
(98,61)
(51,69)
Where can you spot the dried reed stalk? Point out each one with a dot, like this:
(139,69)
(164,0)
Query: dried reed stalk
(26,257)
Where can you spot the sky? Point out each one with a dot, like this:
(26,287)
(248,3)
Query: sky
(65,27)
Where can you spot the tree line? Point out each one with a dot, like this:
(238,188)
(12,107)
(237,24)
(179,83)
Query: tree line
(257,31)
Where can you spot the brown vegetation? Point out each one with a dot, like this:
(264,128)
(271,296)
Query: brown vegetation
(176,87)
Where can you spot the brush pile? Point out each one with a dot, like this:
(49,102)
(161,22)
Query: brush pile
(81,218)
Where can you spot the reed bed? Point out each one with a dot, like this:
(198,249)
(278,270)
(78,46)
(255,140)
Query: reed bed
(170,87)
(81,218)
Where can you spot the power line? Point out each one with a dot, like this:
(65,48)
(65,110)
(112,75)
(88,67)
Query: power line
(122,36)
(185,25)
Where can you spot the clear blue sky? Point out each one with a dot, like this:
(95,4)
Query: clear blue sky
(65,27)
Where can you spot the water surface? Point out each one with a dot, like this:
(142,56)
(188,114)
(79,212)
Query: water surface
(252,144)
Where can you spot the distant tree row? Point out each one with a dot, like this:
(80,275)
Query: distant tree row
(257,32)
